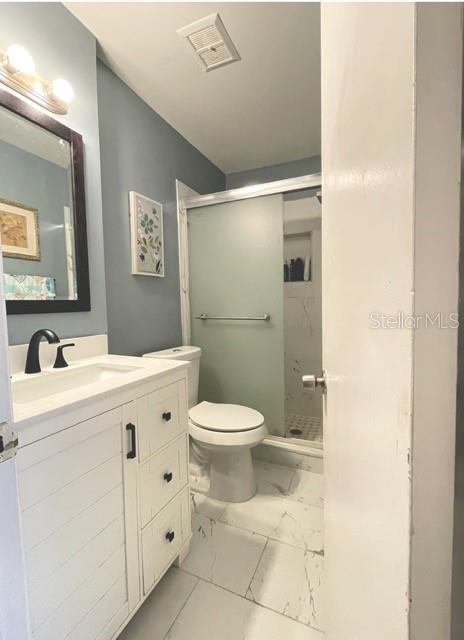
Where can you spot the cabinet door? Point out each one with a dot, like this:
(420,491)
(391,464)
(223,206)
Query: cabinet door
(161,417)
(74,488)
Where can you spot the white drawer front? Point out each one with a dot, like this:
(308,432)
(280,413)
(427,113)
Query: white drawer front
(161,416)
(161,477)
(163,538)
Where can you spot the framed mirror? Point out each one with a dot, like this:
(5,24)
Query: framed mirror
(42,212)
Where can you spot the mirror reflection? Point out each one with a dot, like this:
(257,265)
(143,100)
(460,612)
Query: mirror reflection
(36,212)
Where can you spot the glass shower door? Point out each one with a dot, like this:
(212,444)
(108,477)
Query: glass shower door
(235,269)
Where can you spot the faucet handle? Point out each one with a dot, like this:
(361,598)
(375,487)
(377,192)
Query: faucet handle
(60,362)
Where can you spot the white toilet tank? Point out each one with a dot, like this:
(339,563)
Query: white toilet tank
(189,354)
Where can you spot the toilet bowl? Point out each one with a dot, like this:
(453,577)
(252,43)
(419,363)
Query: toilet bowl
(228,432)
(222,435)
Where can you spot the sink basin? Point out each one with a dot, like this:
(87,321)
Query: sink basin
(48,383)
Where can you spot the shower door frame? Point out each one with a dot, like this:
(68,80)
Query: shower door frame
(187,198)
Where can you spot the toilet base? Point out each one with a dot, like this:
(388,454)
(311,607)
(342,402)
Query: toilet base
(232,477)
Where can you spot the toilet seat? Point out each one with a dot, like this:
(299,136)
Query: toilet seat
(225,418)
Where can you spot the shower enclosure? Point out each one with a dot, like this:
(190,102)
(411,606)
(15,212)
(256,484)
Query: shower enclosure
(251,281)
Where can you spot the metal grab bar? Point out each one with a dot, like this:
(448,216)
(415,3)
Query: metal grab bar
(204,316)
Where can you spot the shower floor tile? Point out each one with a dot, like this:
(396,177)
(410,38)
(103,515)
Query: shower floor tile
(303,427)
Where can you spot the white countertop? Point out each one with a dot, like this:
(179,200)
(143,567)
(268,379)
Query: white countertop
(146,370)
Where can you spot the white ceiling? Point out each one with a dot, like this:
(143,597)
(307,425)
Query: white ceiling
(260,111)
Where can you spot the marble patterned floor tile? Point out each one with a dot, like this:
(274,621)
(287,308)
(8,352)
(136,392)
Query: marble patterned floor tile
(155,617)
(279,518)
(289,581)
(273,478)
(222,554)
(206,506)
(199,483)
(308,488)
(212,612)
(278,455)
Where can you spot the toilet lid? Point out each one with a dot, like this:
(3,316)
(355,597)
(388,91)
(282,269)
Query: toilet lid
(225,417)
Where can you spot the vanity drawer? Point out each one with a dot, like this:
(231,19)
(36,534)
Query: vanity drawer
(161,477)
(161,417)
(163,538)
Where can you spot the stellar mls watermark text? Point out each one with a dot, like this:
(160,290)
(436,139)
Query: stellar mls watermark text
(401,320)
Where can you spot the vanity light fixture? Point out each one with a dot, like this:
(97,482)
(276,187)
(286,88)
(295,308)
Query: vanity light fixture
(17,71)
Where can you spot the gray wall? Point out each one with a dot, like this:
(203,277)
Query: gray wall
(62,47)
(141,152)
(33,181)
(274,172)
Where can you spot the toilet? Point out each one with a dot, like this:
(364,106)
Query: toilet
(222,435)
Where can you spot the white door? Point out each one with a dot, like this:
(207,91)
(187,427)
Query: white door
(391,88)
(13,618)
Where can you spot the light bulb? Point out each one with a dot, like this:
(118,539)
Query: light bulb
(62,90)
(19,60)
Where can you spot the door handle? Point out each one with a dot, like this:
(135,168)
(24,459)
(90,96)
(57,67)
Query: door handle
(166,416)
(133,450)
(170,536)
(311,383)
(168,477)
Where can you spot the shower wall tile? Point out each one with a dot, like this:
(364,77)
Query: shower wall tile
(303,335)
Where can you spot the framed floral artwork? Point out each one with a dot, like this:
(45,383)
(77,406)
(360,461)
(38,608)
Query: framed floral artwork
(19,231)
(147,245)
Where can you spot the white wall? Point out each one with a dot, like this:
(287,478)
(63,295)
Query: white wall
(390,139)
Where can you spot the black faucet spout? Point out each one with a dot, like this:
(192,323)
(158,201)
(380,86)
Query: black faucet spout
(32,359)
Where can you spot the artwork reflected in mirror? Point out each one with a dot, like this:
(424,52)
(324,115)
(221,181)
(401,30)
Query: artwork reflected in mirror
(19,226)
(42,212)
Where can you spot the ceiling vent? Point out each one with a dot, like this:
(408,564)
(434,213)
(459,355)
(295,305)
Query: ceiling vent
(210,42)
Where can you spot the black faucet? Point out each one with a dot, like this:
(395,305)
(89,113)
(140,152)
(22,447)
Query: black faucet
(32,359)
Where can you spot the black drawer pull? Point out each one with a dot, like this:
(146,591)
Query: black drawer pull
(168,477)
(133,451)
(166,416)
(170,536)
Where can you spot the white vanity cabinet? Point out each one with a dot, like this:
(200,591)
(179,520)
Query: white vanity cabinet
(105,511)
